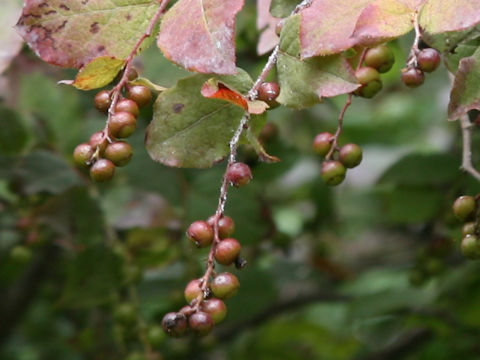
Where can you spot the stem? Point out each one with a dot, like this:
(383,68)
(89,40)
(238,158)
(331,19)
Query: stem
(412,57)
(467,164)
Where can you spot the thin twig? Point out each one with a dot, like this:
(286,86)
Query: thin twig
(467,164)
(412,57)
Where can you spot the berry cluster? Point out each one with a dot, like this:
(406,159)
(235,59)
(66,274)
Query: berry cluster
(348,156)
(377,60)
(427,60)
(103,152)
(465,209)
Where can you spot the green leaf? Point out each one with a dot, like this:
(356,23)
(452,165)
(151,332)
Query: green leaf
(71,33)
(98,73)
(14,135)
(304,83)
(462,46)
(282,8)
(465,94)
(189,130)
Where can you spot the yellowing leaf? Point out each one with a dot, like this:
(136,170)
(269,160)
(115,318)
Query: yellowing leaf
(98,73)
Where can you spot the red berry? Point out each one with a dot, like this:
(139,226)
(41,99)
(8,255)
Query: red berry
(239,174)
(128,106)
(102,170)
(193,290)
(99,140)
(428,60)
(175,324)
(412,77)
(470,247)
(333,172)
(82,154)
(201,233)
(140,94)
(323,143)
(226,226)
(227,251)
(268,92)
(224,285)
(102,101)
(122,124)
(200,322)
(350,155)
(215,308)
(119,152)
(380,58)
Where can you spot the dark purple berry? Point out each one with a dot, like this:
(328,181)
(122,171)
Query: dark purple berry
(175,324)
(412,77)
(200,322)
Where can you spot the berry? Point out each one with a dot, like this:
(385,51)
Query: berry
(369,90)
(128,106)
(215,308)
(82,154)
(322,143)
(174,324)
(428,60)
(412,77)
(227,251)
(367,74)
(468,228)
(102,101)
(119,152)
(239,174)
(99,140)
(350,155)
(122,124)
(380,58)
(193,290)
(187,310)
(470,247)
(268,92)
(224,285)
(132,74)
(201,233)
(333,172)
(226,226)
(155,335)
(200,322)
(125,314)
(464,207)
(103,170)
(140,94)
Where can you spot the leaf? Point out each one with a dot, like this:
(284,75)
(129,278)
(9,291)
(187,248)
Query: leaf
(71,33)
(262,154)
(14,135)
(327,25)
(282,8)
(189,130)
(10,42)
(200,35)
(465,94)
(98,73)
(266,22)
(463,49)
(383,20)
(304,83)
(442,16)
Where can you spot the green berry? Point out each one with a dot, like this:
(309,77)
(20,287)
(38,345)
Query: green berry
(82,154)
(367,74)
(412,77)
(468,228)
(102,101)
(227,251)
(350,155)
(224,285)
(155,335)
(102,170)
(464,207)
(333,172)
(380,58)
(175,324)
(140,94)
(201,233)
(470,247)
(323,143)
(122,124)
(370,89)
(119,152)
(216,308)
(428,60)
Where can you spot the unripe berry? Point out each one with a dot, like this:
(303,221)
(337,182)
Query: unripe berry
(82,154)
(200,322)
(227,251)
(268,92)
(380,58)
(224,285)
(350,155)
(102,101)
(175,324)
(428,60)
(365,74)
(193,290)
(201,233)
(99,140)
(470,247)
(412,77)
(122,124)
(216,308)
(125,314)
(239,174)
(370,89)
(226,226)
(333,172)
(140,94)
(464,207)
(127,105)
(119,152)
(468,228)
(322,143)
(102,170)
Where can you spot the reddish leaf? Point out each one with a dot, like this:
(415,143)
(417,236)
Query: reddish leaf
(327,25)
(71,33)
(200,35)
(266,22)
(438,16)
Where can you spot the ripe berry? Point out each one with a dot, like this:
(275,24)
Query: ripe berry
(200,322)
(215,308)
(428,60)
(102,170)
(99,140)
(350,155)
(239,174)
(268,92)
(132,74)
(224,285)
(226,226)
(175,324)
(227,251)
(193,290)
(380,58)
(464,207)
(155,335)
(201,233)
(333,172)
(365,74)
(470,247)
(82,154)
(102,101)
(322,143)
(412,77)
(370,89)
(119,152)
(187,310)
(468,228)
(128,106)
(122,124)
(125,314)
(140,94)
